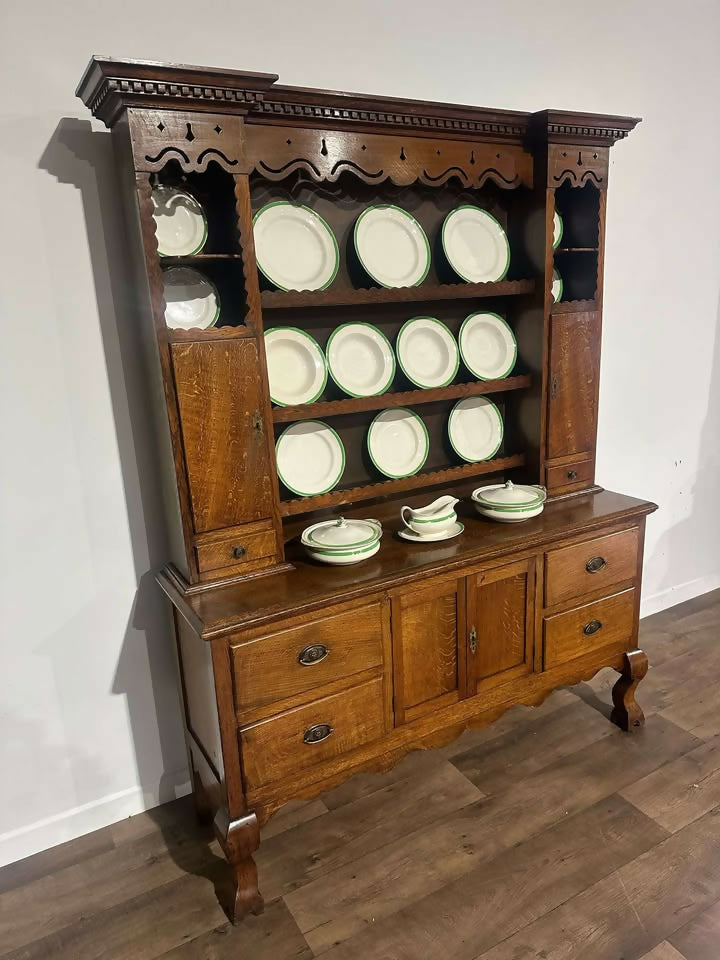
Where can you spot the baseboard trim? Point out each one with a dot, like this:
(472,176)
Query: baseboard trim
(678,594)
(77,821)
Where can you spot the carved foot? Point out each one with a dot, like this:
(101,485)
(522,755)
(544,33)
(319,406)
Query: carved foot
(627,713)
(239,839)
(201,801)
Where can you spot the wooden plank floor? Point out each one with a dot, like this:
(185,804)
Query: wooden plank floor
(548,835)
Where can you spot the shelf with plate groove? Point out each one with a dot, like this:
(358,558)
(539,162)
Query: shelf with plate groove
(198,259)
(576,250)
(406,398)
(370,491)
(229,332)
(346,297)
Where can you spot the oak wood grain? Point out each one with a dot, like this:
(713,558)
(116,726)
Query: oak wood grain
(566,635)
(573,394)
(573,571)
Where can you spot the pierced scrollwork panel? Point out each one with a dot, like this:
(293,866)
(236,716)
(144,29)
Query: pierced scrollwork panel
(577,165)
(192,139)
(276,152)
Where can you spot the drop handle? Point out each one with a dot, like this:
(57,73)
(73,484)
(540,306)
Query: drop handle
(472,639)
(590,628)
(595,564)
(318,733)
(315,653)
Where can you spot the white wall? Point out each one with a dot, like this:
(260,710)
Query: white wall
(90,719)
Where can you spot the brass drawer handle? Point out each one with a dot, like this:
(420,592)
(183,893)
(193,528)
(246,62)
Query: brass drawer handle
(318,733)
(595,564)
(590,628)
(239,552)
(313,654)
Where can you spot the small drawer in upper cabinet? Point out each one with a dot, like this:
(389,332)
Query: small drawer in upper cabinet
(296,661)
(243,547)
(569,477)
(603,623)
(590,566)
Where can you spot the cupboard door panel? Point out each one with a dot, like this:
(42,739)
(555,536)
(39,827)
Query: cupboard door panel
(226,451)
(501,605)
(573,394)
(425,648)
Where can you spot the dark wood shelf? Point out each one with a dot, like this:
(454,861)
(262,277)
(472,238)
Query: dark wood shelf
(194,335)
(199,258)
(289,508)
(576,250)
(344,297)
(575,306)
(407,398)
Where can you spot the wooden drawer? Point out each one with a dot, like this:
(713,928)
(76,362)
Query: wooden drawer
(298,661)
(283,745)
(569,476)
(591,566)
(240,547)
(604,623)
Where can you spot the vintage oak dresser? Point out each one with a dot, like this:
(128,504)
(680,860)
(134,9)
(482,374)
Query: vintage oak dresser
(295,676)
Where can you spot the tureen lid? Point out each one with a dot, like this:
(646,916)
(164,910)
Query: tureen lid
(509,496)
(341,533)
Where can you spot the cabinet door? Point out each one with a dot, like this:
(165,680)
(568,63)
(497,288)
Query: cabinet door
(500,624)
(573,394)
(426,624)
(226,450)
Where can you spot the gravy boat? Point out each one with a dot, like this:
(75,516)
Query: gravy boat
(436,518)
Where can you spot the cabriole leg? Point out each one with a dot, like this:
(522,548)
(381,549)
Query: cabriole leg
(627,713)
(239,839)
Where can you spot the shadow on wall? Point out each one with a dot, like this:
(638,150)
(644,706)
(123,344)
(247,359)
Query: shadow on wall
(702,495)
(78,155)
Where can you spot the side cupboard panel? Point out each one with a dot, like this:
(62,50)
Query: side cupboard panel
(223,432)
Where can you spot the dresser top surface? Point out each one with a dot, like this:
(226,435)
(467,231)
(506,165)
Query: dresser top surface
(310,585)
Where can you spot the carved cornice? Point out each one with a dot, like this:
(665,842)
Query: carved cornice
(108,86)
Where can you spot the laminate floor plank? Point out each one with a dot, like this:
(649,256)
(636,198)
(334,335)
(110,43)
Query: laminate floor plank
(143,928)
(501,896)
(271,936)
(699,713)
(337,839)
(384,881)
(94,885)
(699,939)
(682,790)
(629,912)
(495,765)
(663,951)
(55,858)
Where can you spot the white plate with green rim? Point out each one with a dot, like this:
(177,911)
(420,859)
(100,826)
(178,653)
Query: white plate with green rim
(338,558)
(557,287)
(391,246)
(295,249)
(427,352)
(297,368)
(398,442)
(180,224)
(487,345)
(191,300)
(310,458)
(557,230)
(475,245)
(475,428)
(360,359)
